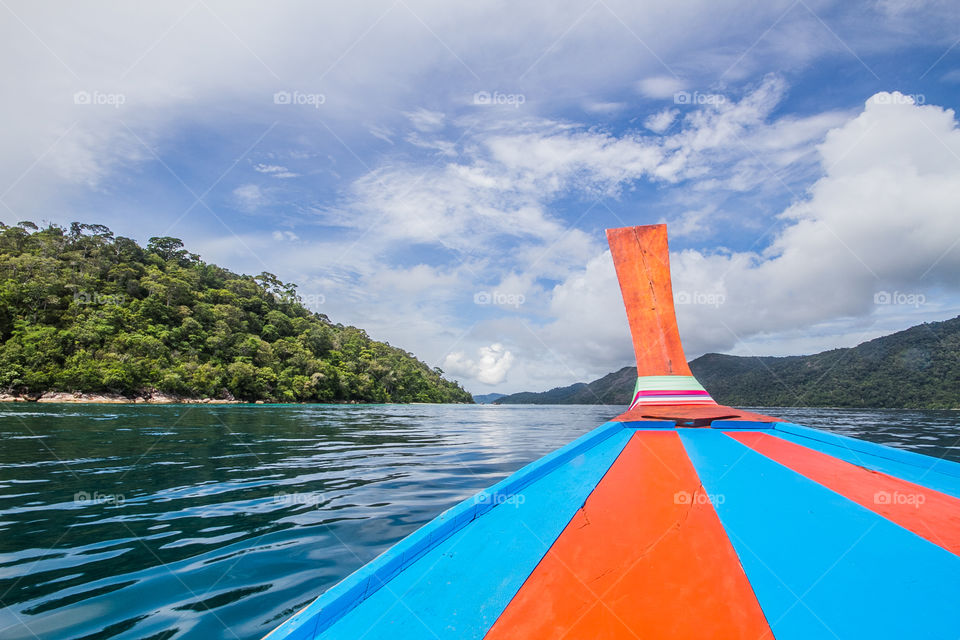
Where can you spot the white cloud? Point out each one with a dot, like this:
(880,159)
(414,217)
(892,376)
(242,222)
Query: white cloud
(285,236)
(660,86)
(693,222)
(417,283)
(274,170)
(501,180)
(733,145)
(491,367)
(952,76)
(499,188)
(381,132)
(661,121)
(605,107)
(591,326)
(426,120)
(249,197)
(882,218)
(161,59)
(443,147)
(550,160)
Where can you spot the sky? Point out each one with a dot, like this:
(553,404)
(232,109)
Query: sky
(441,174)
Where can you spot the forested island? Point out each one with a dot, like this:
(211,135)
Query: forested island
(84,311)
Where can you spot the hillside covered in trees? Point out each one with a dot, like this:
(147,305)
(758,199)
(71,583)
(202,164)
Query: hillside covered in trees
(84,310)
(918,368)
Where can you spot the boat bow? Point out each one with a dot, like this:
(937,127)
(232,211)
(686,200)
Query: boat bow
(666,389)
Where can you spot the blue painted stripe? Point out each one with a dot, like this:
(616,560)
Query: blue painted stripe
(364,582)
(728,425)
(821,565)
(459,588)
(653,425)
(664,425)
(934,473)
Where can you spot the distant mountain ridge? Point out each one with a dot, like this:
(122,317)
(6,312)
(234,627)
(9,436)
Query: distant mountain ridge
(915,368)
(613,388)
(487,398)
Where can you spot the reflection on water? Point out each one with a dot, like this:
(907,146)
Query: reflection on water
(219,522)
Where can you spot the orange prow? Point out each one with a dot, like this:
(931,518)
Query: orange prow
(641,257)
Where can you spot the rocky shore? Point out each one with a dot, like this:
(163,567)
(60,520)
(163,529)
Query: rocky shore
(149,397)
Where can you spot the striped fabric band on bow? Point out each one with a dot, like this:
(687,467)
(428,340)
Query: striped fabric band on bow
(659,390)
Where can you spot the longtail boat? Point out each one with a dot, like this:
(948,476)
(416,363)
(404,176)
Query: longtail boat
(680,518)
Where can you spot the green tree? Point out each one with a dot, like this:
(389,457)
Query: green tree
(84,310)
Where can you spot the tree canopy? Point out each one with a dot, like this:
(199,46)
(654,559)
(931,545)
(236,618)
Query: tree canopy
(83,310)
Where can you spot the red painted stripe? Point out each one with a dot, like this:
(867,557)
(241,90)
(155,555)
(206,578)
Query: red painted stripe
(673,393)
(687,411)
(930,514)
(672,402)
(645,557)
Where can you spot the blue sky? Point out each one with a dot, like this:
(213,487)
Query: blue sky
(441,175)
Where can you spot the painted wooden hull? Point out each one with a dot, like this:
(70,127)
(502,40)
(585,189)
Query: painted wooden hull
(681,518)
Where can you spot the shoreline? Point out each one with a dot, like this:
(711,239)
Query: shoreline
(156,397)
(69,397)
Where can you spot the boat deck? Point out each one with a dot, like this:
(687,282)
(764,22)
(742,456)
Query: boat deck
(640,529)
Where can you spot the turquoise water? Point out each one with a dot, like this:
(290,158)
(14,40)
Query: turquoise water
(220,521)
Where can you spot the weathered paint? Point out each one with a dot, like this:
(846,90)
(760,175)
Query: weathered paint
(642,259)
